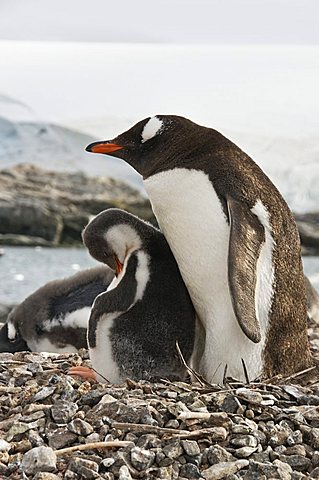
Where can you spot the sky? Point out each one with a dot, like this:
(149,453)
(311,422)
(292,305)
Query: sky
(164,21)
(241,65)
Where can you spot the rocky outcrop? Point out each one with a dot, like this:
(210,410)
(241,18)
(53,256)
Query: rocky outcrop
(308,225)
(42,207)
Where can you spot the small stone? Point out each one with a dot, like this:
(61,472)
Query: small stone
(93,437)
(189,470)
(4,446)
(46,476)
(244,441)
(296,450)
(240,429)
(297,462)
(106,464)
(86,469)
(315,459)
(217,454)
(294,438)
(61,438)
(80,427)
(124,473)
(62,412)
(230,404)
(244,452)
(191,447)
(142,459)
(222,470)
(284,470)
(38,459)
(173,449)
(315,473)
(312,437)
(173,423)
(45,392)
(69,475)
(249,396)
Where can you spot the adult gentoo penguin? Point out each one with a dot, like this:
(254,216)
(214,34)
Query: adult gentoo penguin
(134,326)
(234,239)
(54,318)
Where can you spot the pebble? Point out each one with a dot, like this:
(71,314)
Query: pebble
(142,459)
(38,459)
(222,470)
(176,431)
(80,427)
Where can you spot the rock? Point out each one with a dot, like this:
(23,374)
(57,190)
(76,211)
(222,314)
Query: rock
(173,449)
(297,462)
(314,473)
(38,459)
(80,427)
(222,470)
(249,396)
(124,473)
(244,441)
(218,454)
(191,447)
(46,476)
(41,207)
(244,452)
(284,470)
(308,229)
(86,469)
(62,411)
(61,438)
(4,446)
(189,470)
(141,458)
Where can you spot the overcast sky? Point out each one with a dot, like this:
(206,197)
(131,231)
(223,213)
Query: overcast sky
(163,21)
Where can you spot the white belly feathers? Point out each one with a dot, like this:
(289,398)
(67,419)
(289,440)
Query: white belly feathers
(191,217)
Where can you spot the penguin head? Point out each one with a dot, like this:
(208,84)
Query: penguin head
(11,339)
(111,236)
(144,146)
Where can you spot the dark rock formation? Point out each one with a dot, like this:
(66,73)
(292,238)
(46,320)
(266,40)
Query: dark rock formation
(308,225)
(40,207)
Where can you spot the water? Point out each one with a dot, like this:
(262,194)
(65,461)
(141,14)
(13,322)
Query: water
(24,269)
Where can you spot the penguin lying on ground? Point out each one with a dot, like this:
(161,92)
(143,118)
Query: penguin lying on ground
(54,318)
(235,242)
(134,326)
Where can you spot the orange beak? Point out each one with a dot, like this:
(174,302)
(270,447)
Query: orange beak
(119,266)
(103,147)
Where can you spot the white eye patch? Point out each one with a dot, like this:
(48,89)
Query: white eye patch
(151,128)
(11,331)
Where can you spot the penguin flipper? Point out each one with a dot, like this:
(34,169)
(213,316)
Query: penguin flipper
(246,239)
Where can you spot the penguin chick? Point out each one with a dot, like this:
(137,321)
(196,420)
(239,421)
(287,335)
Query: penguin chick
(235,242)
(134,326)
(54,318)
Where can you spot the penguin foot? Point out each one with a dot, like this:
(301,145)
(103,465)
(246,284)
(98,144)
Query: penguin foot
(84,372)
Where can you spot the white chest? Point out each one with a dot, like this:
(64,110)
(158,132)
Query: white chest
(191,217)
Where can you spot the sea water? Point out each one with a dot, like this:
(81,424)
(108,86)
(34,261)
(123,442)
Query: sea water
(24,269)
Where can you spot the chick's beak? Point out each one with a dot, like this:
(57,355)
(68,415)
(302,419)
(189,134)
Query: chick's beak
(103,147)
(119,266)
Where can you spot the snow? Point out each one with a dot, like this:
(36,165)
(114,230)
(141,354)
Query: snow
(264,98)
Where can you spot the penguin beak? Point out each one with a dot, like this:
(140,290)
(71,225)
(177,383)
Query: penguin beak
(103,147)
(118,266)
